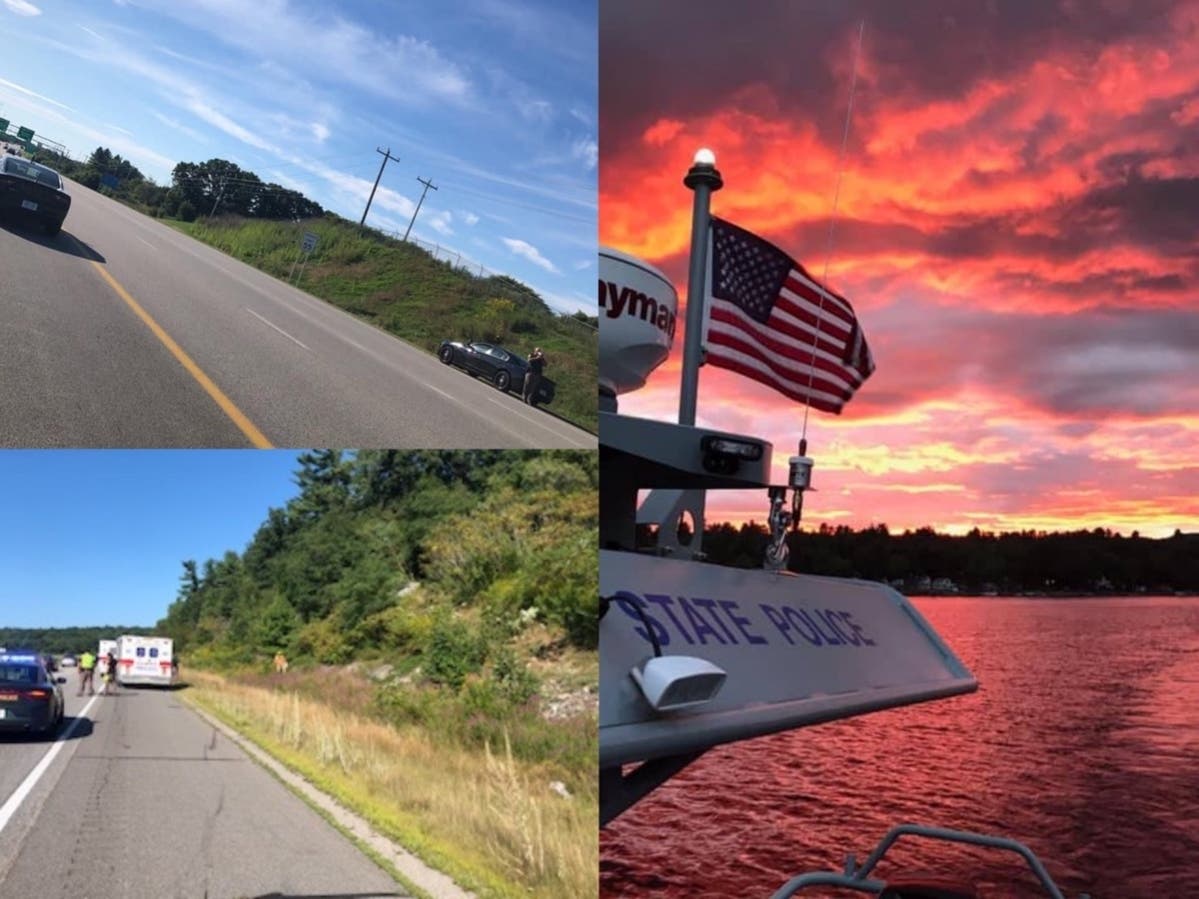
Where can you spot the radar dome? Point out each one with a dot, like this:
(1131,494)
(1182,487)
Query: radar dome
(637,320)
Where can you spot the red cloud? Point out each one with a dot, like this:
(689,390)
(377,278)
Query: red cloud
(1020,250)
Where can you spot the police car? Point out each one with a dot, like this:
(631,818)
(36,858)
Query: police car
(30,698)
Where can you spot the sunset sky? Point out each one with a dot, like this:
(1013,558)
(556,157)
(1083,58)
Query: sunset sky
(1018,230)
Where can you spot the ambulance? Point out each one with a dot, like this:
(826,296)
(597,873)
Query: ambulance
(145,661)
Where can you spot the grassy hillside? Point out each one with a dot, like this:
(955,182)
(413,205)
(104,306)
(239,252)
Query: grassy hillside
(440,604)
(404,289)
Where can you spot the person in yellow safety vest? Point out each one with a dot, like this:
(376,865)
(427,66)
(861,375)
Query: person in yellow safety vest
(87,672)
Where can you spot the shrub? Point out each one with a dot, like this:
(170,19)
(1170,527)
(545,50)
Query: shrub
(516,682)
(454,651)
(324,641)
(402,627)
(400,704)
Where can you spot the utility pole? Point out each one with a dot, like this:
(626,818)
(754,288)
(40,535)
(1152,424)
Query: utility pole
(427,185)
(386,156)
(218,196)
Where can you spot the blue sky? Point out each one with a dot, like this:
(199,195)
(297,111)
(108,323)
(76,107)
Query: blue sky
(99,536)
(495,101)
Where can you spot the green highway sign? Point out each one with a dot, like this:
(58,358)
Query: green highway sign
(3,126)
(25,134)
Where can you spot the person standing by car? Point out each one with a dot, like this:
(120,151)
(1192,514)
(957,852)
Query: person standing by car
(87,672)
(533,375)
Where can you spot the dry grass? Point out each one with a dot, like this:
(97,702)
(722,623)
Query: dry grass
(489,821)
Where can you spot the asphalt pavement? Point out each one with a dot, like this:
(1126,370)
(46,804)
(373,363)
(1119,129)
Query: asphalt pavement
(122,332)
(144,798)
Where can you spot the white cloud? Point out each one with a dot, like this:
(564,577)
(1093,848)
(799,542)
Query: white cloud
(438,221)
(24,90)
(470,218)
(325,45)
(531,107)
(543,28)
(529,252)
(22,8)
(218,119)
(583,264)
(534,110)
(587,150)
(180,127)
(320,131)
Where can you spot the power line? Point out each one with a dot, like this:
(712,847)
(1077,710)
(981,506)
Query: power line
(265,186)
(458,188)
(510,202)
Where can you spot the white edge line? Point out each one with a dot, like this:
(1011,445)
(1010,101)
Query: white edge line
(276,327)
(146,242)
(22,792)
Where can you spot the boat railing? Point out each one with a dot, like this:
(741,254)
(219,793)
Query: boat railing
(858,877)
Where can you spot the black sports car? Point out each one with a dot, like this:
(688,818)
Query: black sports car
(30,697)
(503,368)
(33,192)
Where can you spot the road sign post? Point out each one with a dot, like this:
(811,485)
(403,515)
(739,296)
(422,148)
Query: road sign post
(307,245)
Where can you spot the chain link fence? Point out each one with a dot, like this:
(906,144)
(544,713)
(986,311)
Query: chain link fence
(466,264)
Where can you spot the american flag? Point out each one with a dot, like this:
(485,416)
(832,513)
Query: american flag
(769,320)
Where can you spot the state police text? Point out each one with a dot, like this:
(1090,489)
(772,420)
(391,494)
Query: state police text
(703,621)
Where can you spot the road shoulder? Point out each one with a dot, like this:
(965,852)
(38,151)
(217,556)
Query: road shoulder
(423,881)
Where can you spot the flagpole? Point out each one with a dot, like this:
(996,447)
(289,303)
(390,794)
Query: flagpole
(703,179)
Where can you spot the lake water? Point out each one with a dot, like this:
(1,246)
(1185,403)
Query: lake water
(1082,741)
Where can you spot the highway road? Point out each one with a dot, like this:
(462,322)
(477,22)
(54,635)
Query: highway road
(147,799)
(122,332)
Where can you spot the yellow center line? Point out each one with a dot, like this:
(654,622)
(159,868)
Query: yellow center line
(255,436)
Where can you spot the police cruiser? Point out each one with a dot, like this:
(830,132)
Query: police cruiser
(31,698)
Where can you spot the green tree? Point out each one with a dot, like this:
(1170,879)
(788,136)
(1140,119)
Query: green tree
(324,480)
(278,624)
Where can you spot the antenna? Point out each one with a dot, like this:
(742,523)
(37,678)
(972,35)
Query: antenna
(832,222)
